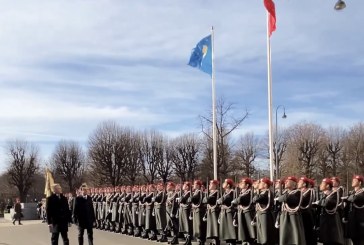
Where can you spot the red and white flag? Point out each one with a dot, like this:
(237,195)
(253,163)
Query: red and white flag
(269,5)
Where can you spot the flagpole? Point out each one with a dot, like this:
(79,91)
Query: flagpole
(270,101)
(213,106)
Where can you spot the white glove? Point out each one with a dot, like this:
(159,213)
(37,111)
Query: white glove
(153,199)
(316,203)
(276,199)
(177,199)
(219,201)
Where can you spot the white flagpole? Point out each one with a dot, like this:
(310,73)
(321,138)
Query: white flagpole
(213,106)
(270,102)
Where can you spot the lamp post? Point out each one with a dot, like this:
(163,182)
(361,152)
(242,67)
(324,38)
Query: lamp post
(276,136)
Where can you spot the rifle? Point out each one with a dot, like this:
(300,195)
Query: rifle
(220,188)
(235,196)
(189,201)
(208,186)
(318,210)
(236,189)
(204,218)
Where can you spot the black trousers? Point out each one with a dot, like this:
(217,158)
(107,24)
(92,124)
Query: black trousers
(17,216)
(55,237)
(358,241)
(90,235)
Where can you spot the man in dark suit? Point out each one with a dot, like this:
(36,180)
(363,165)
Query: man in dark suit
(58,215)
(83,215)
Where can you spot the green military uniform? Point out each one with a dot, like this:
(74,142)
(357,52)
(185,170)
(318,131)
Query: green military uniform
(185,225)
(198,211)
(331,230)
(290,222)
(149,215)
(264,218)
(355,205)
(246,212)
(212,215)
(307,214)
(227,230)
(141,212)
(160,210)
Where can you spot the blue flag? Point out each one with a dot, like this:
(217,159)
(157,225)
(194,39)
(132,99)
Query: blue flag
(201,56)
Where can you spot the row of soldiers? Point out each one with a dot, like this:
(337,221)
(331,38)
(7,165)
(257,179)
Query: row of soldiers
(289,211)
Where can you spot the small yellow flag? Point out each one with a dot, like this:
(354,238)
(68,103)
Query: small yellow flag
(49,181)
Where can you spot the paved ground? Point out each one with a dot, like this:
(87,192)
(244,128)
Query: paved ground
(35,233)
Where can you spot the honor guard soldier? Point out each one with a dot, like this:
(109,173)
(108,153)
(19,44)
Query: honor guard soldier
(185,224)
(340,191)
(94,202)
(354,211)
(307,211)
(134,210)
(290,222)
(330,230)
(246,212)
(141,211)
(278,191)
(160,212)
(171,211)
(127,222)
(150,231)
(197,213)
(120,210)
(102,205)
(212,214)
(264,216)
(114,208)
(98,200)
(226,229)
(107,208)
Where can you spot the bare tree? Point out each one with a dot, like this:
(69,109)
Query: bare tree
(226,123)
(107,154)
(323,167)
(151,154)
(164,168)
(68,162)
(23,165)
(355,147)
(185,154)
(334,148)
(247,151)
(133,163)
(306,139)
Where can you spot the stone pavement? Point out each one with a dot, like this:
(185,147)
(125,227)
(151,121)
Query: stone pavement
(34,232)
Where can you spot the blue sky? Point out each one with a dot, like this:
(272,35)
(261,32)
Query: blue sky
(66,66)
